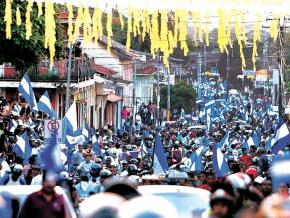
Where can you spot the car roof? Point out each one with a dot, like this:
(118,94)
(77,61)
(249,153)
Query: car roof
(155,189)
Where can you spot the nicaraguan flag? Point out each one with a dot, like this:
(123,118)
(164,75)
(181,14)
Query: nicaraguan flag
(196,159)
(73,140)
(225,139)
(70,121)
(51,157)
(26,91)
(220,164)
(160,164)
(22,147)
(96,146)
(86,132)
(45,106)
(16,110)
(282,136)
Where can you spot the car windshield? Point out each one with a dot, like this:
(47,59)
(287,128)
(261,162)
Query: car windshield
(187,204)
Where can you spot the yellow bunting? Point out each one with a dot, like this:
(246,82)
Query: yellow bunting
(200,32)
(222,36)
(50,34)
(97,24)
(164,37)
(8,18)
(195,29)
(121,20)
(28,24)
(238,36)
(78,23)
(256,38)
(136,22)
(206,30)
(129,30)
(274,28)
(87,26)
(154,35)
(70,24)
(109,29)
(183,31)
(18,17)
(39,8)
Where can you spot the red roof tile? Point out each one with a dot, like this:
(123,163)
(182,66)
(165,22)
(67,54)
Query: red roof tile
(147,70)
(104,70)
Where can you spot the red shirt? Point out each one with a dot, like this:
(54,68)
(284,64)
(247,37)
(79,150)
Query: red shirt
(37,206)
(124,114)
(247,160)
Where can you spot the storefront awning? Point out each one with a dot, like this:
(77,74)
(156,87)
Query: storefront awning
(113,98)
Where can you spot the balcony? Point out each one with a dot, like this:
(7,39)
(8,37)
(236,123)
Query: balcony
(42,73)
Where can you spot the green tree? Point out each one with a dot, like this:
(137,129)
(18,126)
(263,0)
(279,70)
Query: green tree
(182,95)
(22,53)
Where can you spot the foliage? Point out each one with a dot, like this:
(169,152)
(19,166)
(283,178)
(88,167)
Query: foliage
(182,95)
(18,51)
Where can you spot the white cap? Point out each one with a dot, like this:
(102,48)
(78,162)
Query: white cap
(287,110)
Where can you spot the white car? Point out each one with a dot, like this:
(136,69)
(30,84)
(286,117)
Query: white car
(21,192)
(189,201)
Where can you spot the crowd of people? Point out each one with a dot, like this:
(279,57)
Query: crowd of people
(243,129)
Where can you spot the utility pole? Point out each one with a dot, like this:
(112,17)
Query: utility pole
(158,88)
(168,94)
(227,70)
(67,97)
(204,53)
(199,76)
(135,91)
(281,61)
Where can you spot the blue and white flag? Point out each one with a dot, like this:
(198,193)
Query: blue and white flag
(160,164)
(70,121)
(220,164)
(96,146)
(225,140)
(45,106)
(75,140)
(282,136)
(26,91)
(22,147)
(16,110)
(196,159)
(86,132)
(51,157)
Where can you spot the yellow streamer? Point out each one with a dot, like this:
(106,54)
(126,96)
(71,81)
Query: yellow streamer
(28,24)
(39,8)
(18,17)
(97,24)
(256,38)
(50,34)
(78,23)
(274,28)
(109,30)
(8,18)
(129,30)
(87,26)
(121,21)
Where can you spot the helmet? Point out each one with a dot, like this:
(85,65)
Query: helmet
(220,194)
(104,174)
(95,170)
(132,169)
(134,161)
